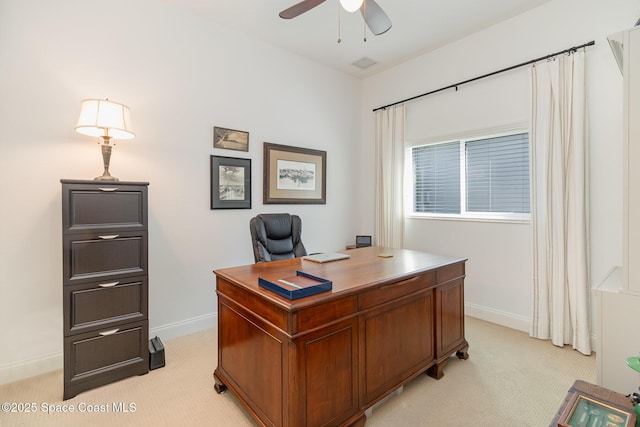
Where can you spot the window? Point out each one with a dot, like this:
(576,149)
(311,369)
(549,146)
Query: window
(437,178)
(484,177)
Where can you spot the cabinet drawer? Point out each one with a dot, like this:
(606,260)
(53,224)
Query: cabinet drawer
(88,207)
(400,288)
(96,256)
(104,304)
(98,358)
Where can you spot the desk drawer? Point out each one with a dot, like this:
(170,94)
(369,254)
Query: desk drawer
(389,292)
(104,304)
(450,272)
(316,316)
(98,256)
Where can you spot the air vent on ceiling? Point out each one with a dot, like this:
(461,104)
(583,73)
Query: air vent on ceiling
(364,63)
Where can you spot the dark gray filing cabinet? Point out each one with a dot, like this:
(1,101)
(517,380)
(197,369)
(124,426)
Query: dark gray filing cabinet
(105,282)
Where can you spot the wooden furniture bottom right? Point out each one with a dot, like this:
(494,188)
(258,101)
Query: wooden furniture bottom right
(591,405)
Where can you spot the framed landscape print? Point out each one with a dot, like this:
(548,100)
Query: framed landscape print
(230,183)
(230,139)
(294,175)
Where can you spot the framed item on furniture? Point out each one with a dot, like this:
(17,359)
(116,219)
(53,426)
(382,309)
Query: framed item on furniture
(294,175)
(230,139)
(230,183)
(589,404)
(585,410)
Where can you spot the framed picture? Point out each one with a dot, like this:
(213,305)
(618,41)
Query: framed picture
(583,410)
(294,175)
(230,139)
(230,183)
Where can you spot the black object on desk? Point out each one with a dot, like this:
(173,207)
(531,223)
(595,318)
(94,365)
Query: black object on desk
(363,241)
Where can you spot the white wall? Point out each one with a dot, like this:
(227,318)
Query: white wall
(498,284)
(180,75)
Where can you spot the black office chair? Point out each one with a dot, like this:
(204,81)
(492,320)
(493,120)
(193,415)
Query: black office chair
(276,236)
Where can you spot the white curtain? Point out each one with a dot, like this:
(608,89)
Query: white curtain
(559,190)
(389,171)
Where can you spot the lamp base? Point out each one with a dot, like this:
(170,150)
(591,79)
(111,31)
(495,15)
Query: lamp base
(106,157)
(105,178)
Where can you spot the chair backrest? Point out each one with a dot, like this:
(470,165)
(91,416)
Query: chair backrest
(276,236)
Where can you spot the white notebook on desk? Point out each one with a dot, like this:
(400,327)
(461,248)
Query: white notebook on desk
(326,257)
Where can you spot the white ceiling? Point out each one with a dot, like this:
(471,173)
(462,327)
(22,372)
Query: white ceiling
(418,26)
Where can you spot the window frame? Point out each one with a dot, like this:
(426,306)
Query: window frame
(409,184)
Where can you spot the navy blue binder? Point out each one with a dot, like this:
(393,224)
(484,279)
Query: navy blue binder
(299,286)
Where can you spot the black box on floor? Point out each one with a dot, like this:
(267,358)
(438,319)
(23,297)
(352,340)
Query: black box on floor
(156,353)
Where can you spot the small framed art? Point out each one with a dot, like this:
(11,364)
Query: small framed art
(230,183)
(294,175)
(230,139)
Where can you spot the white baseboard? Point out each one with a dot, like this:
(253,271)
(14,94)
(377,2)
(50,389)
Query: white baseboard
(502,318)
(51,362)
(508,320)
(185,327)
(30,368)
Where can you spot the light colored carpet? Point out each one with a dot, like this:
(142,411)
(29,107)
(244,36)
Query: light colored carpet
(508,380)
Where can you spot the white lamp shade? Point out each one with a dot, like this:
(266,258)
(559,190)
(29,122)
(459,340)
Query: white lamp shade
(101,117)
(351,5)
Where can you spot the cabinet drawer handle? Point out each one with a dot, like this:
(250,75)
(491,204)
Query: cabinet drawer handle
(108,189)
(108,285)
(111,332)
(112,236)
(401,283)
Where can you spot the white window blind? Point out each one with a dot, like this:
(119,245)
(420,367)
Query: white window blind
(497,175)
(481,177)
(436,170)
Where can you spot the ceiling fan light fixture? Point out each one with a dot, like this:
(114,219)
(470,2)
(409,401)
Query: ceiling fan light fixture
(351,5)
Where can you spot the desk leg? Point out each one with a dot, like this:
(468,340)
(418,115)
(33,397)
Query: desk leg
(463,354)
(437,370)
(219,385)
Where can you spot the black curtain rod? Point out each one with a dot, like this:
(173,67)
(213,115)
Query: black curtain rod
(533,61)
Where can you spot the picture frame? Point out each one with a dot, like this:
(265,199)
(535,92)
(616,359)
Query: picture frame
(230,139)
(230,183)
(294,175)
(583,410)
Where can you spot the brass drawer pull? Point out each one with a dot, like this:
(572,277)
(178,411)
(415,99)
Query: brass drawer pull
(111,332)
(108,189)
(401,283)
(108,285)
(112,236)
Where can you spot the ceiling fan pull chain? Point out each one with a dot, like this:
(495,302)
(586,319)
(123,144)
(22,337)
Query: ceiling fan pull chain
(364,23)
(339,39)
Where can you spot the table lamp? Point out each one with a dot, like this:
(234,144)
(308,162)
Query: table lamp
(105,119)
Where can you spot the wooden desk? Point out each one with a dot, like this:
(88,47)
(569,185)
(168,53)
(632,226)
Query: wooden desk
(325,359)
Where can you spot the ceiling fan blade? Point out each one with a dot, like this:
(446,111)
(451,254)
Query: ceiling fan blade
(377,21)
(300,8)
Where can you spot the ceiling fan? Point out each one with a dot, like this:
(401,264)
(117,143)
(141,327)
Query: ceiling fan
(377,21)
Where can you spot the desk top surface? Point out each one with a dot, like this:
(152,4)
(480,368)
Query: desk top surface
(363,269)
